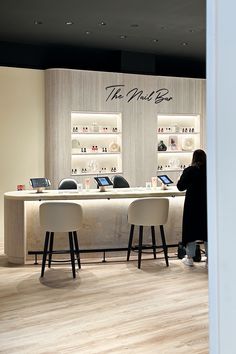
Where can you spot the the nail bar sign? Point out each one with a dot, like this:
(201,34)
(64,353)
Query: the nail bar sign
(118,92)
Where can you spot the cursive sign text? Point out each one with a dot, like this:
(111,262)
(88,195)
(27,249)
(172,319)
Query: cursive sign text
(118,92)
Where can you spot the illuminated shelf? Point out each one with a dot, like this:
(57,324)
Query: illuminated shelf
(96,162)
(175,152)
(95,153)
(180,144)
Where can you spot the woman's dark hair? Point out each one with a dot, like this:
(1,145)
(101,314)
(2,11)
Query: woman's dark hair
(199,158)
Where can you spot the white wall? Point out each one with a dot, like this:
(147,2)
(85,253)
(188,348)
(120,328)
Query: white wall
(21,129)
(221,117)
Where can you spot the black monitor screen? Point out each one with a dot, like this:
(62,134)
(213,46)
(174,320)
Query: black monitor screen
(165,179)
(39,182)
(103,181)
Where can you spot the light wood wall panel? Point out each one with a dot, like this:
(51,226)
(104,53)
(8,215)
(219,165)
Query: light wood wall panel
(75,90)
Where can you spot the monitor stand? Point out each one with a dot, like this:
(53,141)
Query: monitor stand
(39,189)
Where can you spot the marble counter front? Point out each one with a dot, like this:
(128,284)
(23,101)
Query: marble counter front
(104,224)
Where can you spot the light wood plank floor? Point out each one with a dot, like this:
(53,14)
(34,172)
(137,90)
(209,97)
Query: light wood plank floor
(109,308)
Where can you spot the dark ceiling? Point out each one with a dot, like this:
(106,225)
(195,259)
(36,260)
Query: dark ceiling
(123,35)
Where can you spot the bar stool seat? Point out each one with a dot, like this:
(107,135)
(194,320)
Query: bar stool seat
(67,183)
(120,182)
(149,212)
(58,217)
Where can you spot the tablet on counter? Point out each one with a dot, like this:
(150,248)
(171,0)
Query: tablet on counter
(39,182)
(103,181)
(165,179)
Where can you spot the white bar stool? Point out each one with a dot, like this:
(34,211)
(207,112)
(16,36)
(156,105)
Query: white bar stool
(60,217)
(148,212)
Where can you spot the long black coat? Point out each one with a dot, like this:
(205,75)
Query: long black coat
(193,180)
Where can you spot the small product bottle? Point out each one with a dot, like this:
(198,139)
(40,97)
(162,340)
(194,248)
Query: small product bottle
(176,128)
(161,146)
(95,127)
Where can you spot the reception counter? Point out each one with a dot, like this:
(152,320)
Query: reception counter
(105,218)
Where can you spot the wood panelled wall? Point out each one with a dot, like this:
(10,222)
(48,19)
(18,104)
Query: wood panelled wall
(76,90)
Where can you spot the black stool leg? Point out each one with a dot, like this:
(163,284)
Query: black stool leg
(72,254)
(77,248)
(140,246)
(45,251)
(164,244)
(50,249)
(131,234)
(154,242)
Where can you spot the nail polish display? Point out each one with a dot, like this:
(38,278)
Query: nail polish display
(97,146)
(178,135)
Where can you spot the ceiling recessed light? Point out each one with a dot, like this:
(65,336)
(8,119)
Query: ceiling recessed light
(38,22)
(102,23)
(123,36)
(184,44)
(87,32)
(155,40)
(69,23)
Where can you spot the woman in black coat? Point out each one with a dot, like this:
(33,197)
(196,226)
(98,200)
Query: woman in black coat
(194,227)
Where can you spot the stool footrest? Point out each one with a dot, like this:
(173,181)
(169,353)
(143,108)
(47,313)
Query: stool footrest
(146,247)
(60,260)
(143,248)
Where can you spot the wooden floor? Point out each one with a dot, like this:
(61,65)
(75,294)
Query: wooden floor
(110,308)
